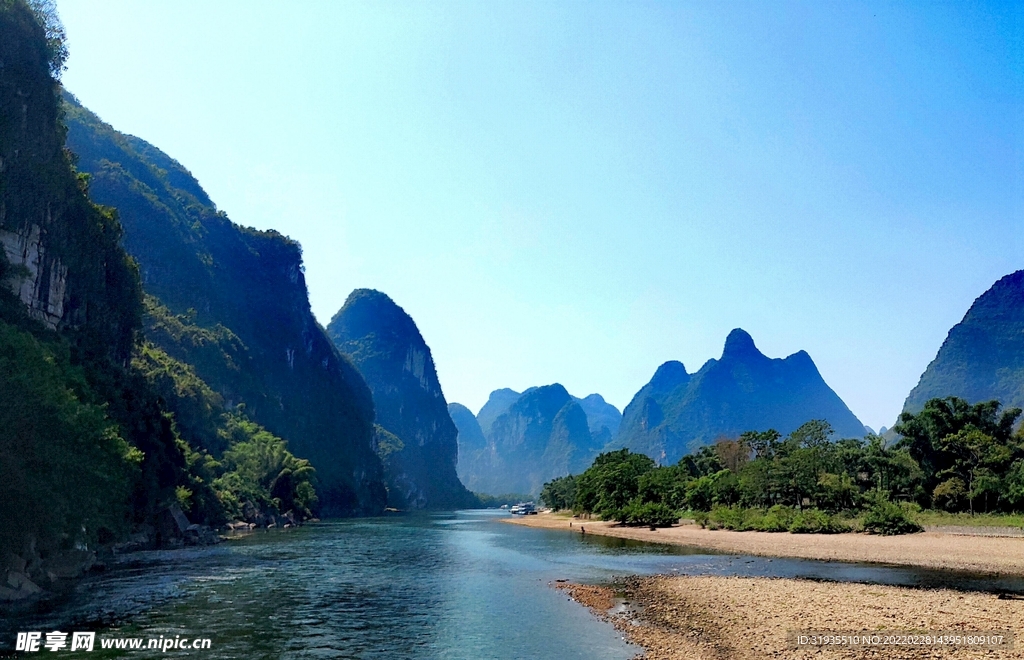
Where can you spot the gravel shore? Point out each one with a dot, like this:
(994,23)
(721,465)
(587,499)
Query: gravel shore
(698,618)
(983,554)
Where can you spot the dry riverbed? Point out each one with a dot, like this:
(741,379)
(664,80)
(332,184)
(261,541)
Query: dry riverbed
(698,618)
(998,555)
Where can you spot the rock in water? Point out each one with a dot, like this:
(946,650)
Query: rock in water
(983,356)
(421,451)
(676,413)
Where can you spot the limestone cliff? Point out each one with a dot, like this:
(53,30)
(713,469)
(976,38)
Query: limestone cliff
(386,346)
(544,433)
(982,358)
(242,294)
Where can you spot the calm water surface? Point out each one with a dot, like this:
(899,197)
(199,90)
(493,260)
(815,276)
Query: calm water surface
(456,585)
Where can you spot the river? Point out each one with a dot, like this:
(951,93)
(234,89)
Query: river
(452,585)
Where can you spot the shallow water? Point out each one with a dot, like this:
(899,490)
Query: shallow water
(456,585)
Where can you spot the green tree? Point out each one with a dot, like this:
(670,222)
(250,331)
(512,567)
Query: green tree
(608,485)
(960,448)
(559,494)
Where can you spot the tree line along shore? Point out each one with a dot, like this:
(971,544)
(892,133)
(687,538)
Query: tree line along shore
(951,459)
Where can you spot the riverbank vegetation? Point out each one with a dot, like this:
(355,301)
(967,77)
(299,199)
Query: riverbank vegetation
(953,457)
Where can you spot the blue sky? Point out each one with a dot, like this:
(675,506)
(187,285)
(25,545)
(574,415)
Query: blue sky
(576,192)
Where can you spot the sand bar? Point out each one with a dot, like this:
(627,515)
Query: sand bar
(675,617)
(996,555)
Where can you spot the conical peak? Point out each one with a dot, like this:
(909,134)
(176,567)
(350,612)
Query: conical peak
(504,392)
(739,344)
(368,311)
(669,375)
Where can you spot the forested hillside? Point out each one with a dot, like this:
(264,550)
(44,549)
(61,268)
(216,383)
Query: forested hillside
(982,358)
(417,439)
(86,451)
(231,303)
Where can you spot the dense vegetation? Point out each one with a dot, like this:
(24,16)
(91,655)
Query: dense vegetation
(952,456)
(100,429)
(231,302)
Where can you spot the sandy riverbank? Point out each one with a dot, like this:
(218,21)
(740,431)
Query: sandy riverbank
(698,618)
(1002,555)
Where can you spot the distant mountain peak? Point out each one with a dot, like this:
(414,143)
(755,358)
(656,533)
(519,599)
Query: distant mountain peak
(669,375)
(739,344)
(745,390)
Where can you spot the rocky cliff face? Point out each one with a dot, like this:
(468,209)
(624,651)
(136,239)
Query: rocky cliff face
(256,341)
(982,358)
(386,346)
(542,434)
(85,448)
(603,418)
(676,413)
(38,278)
(472,444)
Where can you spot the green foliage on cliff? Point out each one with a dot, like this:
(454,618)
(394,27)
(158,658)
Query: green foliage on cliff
(232,461)
(416,438)
(982,358)
(258,468)
(69,393)
(66,471)
(100,431)
(231,303)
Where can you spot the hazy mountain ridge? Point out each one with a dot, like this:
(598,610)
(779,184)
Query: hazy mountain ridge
(744,390)
(519,441)
(982,357)
(388,349)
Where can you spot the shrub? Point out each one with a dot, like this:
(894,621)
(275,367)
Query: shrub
(735,518)
(725,517)
(655,514)
(888,518)
(950,495)
(777,519)
(815,521)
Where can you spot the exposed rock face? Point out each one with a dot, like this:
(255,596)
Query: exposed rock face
(676,413)
(982,358)
(247,286)
(472,447)
(421,453)
(602,417)
(39,280)
(497,405)
(543,434)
